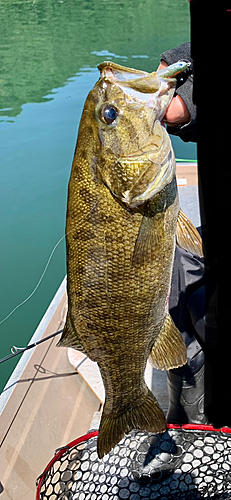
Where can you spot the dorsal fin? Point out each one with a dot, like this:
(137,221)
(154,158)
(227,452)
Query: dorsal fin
(187,236)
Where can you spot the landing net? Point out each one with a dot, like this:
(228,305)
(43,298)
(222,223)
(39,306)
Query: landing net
(185,462)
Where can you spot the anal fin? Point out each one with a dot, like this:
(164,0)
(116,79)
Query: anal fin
(70,337)
(188,237)
(169,350)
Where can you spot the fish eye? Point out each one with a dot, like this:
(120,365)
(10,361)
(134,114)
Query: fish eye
(109,114)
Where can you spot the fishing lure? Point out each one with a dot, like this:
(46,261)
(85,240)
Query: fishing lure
(174,69)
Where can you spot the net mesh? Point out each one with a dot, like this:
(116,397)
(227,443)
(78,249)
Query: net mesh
(182,463)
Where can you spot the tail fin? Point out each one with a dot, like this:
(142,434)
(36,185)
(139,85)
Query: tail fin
(147,415)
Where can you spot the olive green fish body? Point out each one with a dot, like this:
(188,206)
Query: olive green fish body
(120,235)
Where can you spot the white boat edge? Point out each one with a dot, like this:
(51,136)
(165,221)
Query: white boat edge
(25,358)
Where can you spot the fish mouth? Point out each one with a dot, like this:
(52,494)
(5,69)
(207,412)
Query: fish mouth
(116,72)
(153,185)
(134,80)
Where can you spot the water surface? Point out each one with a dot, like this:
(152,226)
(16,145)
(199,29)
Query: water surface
(49,51)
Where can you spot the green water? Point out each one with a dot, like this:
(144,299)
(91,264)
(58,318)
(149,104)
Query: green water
(49,50)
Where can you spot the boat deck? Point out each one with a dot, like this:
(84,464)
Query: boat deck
(49,406)
(53,393)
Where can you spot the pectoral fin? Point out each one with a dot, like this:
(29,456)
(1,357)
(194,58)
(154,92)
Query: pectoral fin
(188,237)
(169,350)
(149,239)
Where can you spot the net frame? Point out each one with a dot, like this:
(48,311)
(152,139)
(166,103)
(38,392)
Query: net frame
(58,454)
(225,431)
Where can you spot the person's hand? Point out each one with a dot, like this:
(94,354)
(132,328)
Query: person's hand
(177,112)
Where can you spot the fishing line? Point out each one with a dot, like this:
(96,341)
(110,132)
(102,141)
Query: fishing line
(42,276)
(46,266)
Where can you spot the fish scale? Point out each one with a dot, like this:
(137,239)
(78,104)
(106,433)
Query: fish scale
(122,217)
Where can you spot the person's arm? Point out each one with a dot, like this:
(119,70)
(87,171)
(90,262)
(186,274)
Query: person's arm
(180,116)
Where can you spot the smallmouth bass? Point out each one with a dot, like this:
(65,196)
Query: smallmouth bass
(123,217)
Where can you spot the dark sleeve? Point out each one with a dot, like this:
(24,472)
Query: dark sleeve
(186,132)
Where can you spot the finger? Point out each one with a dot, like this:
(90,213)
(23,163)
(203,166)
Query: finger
(177,113)
(162,65)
